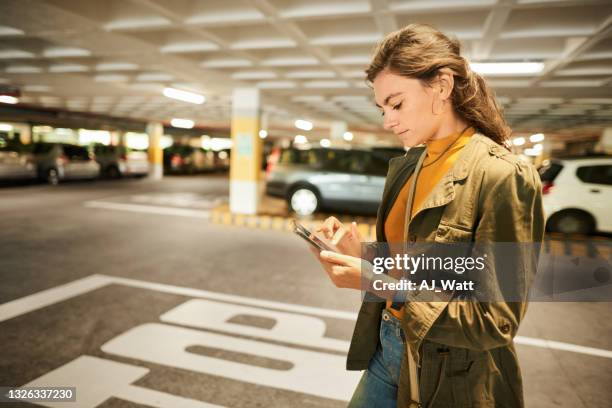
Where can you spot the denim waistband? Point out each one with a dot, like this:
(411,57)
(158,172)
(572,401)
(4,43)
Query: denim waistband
(391,324)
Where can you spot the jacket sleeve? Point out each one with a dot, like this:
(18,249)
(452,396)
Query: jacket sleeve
(509,211)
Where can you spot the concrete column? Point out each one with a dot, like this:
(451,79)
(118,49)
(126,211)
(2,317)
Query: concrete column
(245,165)
(606,141)
(155,130)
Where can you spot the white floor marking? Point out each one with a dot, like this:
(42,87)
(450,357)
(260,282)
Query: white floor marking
(51,296)
(557,345)
(290,328)
(309,372)
(48,297)
(151,209)
(97,380)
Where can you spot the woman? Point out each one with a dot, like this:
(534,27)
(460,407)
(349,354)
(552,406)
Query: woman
(462,186)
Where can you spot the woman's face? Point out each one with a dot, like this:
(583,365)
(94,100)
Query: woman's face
(407,107)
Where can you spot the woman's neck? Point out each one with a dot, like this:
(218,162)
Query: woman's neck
(454,125)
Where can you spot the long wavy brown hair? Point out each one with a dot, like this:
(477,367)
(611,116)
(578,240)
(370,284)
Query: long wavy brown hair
(419,51)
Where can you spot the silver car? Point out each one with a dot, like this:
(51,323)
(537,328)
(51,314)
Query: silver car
(15,161)
(118,161)
(62,161)
(315,179)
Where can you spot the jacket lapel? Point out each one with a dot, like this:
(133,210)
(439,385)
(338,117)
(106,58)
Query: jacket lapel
(400,170)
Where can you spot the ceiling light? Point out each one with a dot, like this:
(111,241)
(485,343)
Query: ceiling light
(303,124)
(300,139)
(538,147)
(263,134)
(532,152)
(507,68)
(518,141)
(348,136)
(182,123)
(538,137)
(8,99)
(184,96)
(325,143)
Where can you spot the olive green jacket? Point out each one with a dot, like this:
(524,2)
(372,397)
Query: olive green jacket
(462,347)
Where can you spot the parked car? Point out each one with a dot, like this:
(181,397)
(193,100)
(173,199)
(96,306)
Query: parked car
(577,194)
(185,159)
(119,161)
(16,162)
(62,161)
(320,178)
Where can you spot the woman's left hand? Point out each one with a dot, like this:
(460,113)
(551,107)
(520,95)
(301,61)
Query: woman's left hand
(344,271)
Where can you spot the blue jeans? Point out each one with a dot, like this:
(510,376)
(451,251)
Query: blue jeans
(378,385)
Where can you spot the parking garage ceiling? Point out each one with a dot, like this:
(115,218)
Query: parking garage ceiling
(307,56)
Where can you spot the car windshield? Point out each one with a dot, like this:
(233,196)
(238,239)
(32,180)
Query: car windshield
(549,172)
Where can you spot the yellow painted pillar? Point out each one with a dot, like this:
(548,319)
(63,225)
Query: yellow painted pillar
(155,130)
(245,165)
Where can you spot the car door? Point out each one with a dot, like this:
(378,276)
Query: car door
(334,178)
(597,187)
(77,162)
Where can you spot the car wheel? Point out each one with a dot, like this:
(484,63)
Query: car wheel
(573,222)
(52,177)
(304,201)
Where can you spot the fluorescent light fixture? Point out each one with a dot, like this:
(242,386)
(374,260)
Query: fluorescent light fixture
(538,137)
(325,143)
(65,68)
(111,78)
(263,133)
(300,139)
(8,99)
(65,52)
(532,152)
(507,68)
(14,54)
(348,136)
(184,96)
(303,124)
(5,127)
(182,123)
(518,141)
(154,77)
(216,143)
(23,69)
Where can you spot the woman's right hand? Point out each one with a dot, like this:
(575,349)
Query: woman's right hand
(346,240)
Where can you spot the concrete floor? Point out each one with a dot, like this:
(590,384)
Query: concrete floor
(125,335)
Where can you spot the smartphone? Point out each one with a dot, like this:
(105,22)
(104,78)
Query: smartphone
(309,237)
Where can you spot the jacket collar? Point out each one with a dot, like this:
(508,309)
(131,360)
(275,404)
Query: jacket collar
(444,191)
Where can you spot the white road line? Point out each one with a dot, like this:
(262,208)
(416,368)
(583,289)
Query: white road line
(60,293)
(557,345)
(151,209)
(51,296)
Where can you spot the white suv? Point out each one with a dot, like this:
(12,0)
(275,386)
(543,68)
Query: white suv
(577,194)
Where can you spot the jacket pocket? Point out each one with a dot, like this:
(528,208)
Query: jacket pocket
(472,377)
(451,233)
